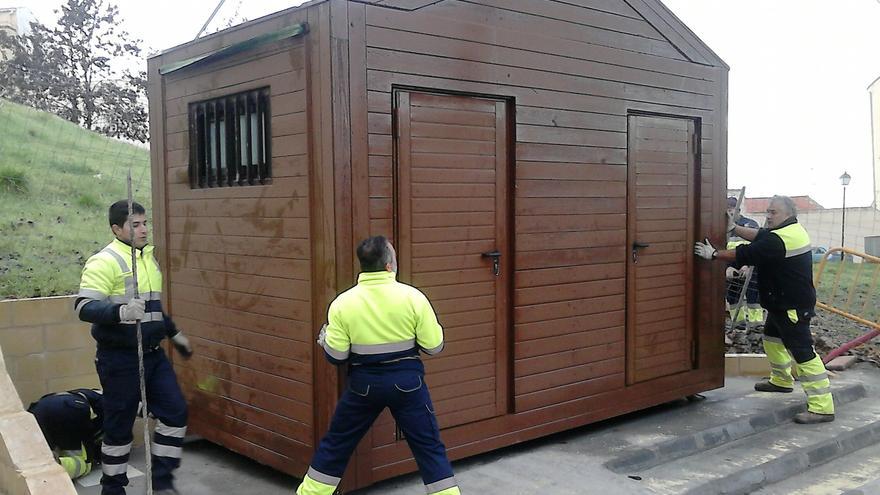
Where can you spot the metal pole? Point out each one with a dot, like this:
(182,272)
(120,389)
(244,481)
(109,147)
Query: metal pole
(140,345)
(843,223)
(210,18)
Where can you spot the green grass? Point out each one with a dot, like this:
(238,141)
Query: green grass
(857,288)
(13,181)
(56,182)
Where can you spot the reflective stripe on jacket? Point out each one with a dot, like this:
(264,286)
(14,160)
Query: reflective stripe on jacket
(107,283)
(782,256)
(381,320)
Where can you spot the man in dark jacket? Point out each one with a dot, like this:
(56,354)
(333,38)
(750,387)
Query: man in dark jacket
(782,254)
(72,423)
(752,314)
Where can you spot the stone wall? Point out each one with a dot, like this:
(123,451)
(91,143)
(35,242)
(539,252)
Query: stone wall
(26,464)
(46,347)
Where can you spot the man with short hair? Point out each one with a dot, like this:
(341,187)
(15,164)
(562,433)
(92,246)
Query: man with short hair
(782,253)
(741,220)
(378,327)
(107,299)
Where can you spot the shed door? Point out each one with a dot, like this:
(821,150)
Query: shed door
(451,211)
(662,191)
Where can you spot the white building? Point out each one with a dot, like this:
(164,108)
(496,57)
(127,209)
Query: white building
(874,92)
(16,20)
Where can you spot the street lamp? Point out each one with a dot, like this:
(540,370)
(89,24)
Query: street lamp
(844,181)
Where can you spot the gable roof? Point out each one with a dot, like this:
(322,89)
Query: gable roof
(676,32)
(654,12)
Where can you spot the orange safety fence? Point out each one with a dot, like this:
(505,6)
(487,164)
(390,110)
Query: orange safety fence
(847,284)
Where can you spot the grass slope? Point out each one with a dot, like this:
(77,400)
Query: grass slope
(56,182)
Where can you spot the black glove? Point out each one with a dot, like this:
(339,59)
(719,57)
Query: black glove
(181,343)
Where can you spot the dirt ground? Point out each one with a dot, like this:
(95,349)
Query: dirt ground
(829,331)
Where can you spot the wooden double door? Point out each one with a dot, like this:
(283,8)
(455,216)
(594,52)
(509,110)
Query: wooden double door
(453,212)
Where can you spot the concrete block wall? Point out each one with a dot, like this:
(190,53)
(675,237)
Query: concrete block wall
(26,464)
(46,347)
(746,365)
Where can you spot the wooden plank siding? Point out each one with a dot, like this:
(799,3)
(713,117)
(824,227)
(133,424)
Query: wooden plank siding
(239,267)
(573,83)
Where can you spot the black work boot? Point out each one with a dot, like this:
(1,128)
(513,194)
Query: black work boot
(767,386)
(811,418)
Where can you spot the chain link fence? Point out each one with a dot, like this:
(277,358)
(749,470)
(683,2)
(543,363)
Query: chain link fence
(56,183)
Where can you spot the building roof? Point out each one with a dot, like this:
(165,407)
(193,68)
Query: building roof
(653,11)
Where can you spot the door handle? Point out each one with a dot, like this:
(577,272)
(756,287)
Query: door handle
(635,247)
(496,261)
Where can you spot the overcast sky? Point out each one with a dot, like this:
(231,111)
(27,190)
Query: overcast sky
(799,72)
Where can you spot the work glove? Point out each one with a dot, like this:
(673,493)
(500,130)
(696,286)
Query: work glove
(322,335)
(705,250)
(131,311)
(732,272)
(181,343)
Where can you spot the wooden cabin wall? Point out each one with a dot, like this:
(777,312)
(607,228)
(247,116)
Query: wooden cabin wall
(238,260)
(571,76)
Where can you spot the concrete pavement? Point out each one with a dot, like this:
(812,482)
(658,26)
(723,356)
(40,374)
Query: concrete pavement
(648,452)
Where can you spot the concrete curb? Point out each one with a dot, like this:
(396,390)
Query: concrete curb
(670,450)
(746,365)
(788,465)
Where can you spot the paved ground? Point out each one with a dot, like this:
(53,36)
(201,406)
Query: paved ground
(562,464)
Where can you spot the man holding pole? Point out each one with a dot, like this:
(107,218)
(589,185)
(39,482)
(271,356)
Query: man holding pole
(782,253)
(109,299)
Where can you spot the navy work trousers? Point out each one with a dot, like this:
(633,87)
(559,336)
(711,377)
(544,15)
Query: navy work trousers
(118,372)
(369,392)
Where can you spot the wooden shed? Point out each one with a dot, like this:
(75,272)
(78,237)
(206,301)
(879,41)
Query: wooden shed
(542,166)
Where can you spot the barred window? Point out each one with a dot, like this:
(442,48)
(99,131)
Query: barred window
(230,140)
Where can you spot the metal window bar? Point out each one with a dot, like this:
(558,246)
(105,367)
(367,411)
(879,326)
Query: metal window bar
(206,144)
(230,140)
(241,110)
(229,112)
(212,142)
(261,161)
(217,143)
(248,112)
(200,145)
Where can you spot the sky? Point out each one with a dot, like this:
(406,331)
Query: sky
(799,113)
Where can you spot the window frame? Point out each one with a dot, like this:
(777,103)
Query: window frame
(230,140)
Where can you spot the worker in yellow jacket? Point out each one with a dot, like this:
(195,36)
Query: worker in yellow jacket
(107,299)
(379,327)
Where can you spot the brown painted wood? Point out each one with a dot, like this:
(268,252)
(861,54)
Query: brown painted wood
(650,304)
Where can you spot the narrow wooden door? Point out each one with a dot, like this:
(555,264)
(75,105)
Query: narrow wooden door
(663,177)
(452,216)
